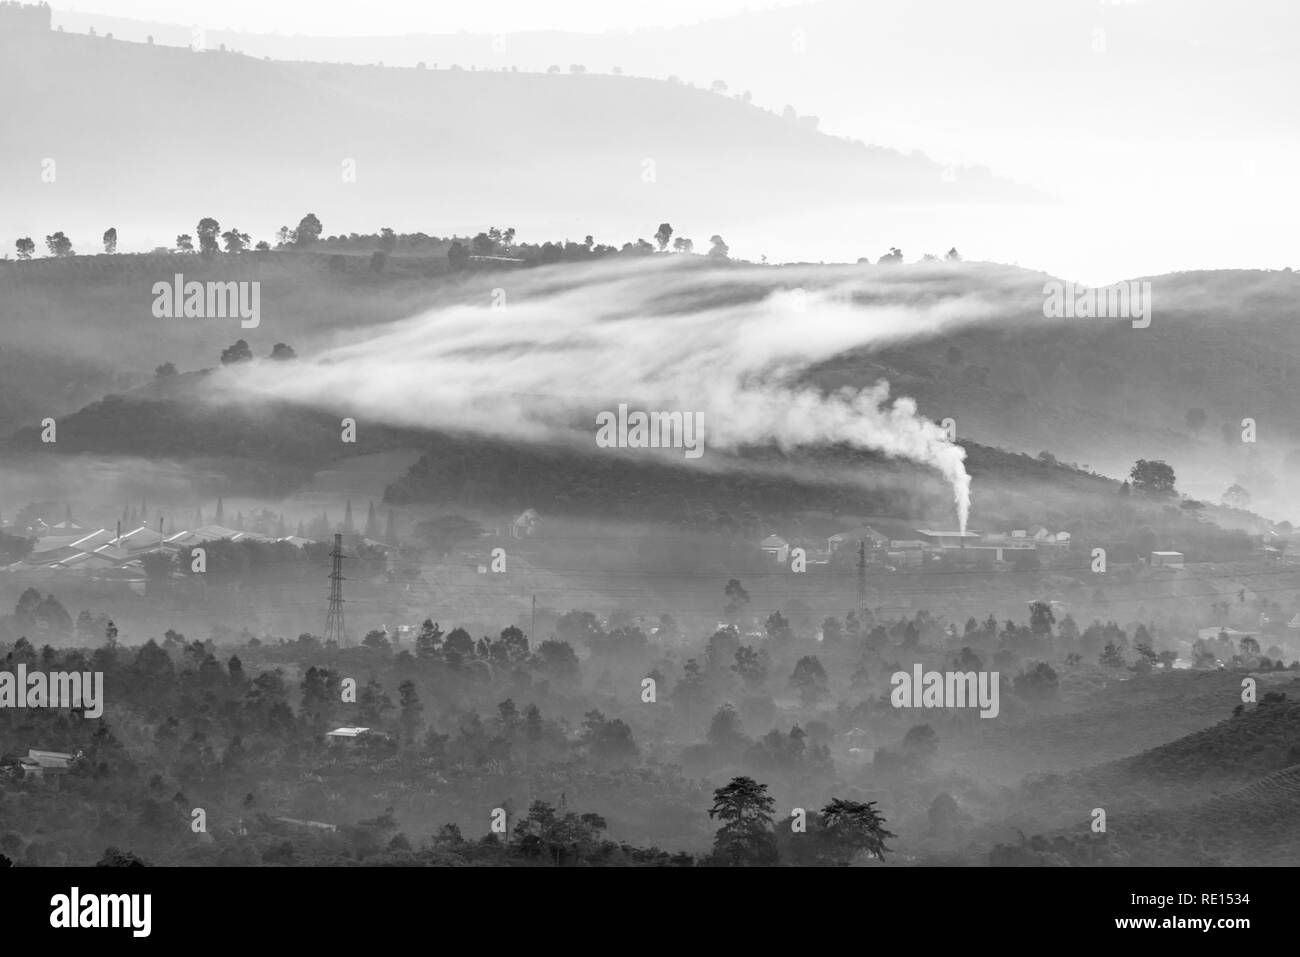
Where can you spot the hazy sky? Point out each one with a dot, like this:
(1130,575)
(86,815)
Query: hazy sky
(1164,128)
(380,17)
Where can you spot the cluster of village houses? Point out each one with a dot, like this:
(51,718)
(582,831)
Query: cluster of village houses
(972,547)
(926,543)
(69,546)
(116,555)
(49,766)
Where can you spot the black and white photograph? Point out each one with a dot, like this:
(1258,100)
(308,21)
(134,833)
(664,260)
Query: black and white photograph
(703,434)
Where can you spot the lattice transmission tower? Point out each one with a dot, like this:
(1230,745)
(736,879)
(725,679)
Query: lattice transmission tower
(334,627)
(862,583)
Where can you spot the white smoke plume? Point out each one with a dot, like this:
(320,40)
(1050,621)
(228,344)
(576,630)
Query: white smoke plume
(534,357)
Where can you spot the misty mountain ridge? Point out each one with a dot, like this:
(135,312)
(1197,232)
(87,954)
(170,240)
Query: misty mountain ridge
(1091,391)
(346,141)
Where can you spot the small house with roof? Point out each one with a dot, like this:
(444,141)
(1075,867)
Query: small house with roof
(776,548)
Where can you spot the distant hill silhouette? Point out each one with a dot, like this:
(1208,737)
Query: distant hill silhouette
(139,133)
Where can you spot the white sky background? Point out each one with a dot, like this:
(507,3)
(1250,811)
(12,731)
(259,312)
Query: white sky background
(389,17)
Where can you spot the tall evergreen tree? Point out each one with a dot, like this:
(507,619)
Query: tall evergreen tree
(849,828)
(319,529)
(746,837)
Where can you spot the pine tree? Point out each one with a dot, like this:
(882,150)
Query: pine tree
(320,528)
(746,836)
(390,533)
(347,518)
(849,828)
(372,524)
(221,511)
